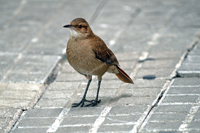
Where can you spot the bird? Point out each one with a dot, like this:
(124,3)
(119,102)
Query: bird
(88,54)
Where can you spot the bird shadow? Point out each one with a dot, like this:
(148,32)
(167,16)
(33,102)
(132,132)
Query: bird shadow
(115,99)
(149,77)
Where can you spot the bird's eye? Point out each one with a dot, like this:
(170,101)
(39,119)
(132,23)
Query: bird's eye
(80,26)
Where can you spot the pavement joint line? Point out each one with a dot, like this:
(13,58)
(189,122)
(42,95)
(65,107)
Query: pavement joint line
(102,3)
(41,31)
(140,121)
(18,120)
(119,32)
(188,119)
(154,39)
(100,119)
(16,60)
(142,57)
(156,102)
(58,121)
(52,71)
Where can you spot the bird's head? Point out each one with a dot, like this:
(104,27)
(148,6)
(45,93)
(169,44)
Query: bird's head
(79,28)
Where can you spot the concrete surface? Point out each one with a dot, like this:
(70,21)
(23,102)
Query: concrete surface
(156,43)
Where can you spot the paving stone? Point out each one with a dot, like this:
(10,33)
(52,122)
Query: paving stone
(197,116)
(56,86)
(173,108)
(162,126)
(7,112)
(33,69)
(194,125)
(70,77)
(32,130)
(12,103)
(192,59)
(3,86)
(35,122)
(103,92)
(195,52)
(186,82)
(166,117)
(51,103)
(111,84)
(136,100)
(188,70)
(180,99)
(78,121)
(127,110)
(184,90)
(75,129)
(150,74)
(164,63)
(18,95)
(143,92)
(194,131)
(121,119)
(28,95)
(95,111)
(129,56)
(25,87)
(33,113)
(6,61)
(64,94)
(140,83)
(4,122)
(115,128)
(165,55)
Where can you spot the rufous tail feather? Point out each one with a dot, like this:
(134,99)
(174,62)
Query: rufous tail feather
(123,76)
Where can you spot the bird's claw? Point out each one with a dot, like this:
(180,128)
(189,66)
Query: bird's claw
(91,103)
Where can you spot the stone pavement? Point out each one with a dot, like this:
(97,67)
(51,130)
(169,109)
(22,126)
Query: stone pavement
(156,42)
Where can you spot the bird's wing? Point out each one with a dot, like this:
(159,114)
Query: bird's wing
(103,53)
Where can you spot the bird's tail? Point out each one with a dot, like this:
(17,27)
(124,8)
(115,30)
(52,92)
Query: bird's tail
(123,76)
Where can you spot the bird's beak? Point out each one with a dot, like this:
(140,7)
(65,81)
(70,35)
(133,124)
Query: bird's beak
(67,26)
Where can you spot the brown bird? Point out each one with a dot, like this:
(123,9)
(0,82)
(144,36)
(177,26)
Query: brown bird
(88,54)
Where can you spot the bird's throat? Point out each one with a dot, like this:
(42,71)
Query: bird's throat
(74,33)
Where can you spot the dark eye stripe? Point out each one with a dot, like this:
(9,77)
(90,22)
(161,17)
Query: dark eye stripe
(80,26)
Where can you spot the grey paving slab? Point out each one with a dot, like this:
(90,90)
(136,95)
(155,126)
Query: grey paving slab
(32,69)
(20,95)
(186,82)
(28,130)
(74,129)
(43,113)
(148,74)
(78,121)
(36,122)
(187,99)
(115,128)
(173,108)
(184,90)
(162,126)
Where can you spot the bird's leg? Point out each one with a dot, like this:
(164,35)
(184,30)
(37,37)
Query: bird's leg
(96,101)
(83,99)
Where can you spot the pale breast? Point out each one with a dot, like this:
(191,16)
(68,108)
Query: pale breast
(83,60)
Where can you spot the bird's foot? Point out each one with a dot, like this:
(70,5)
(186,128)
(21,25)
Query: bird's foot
(91,103)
